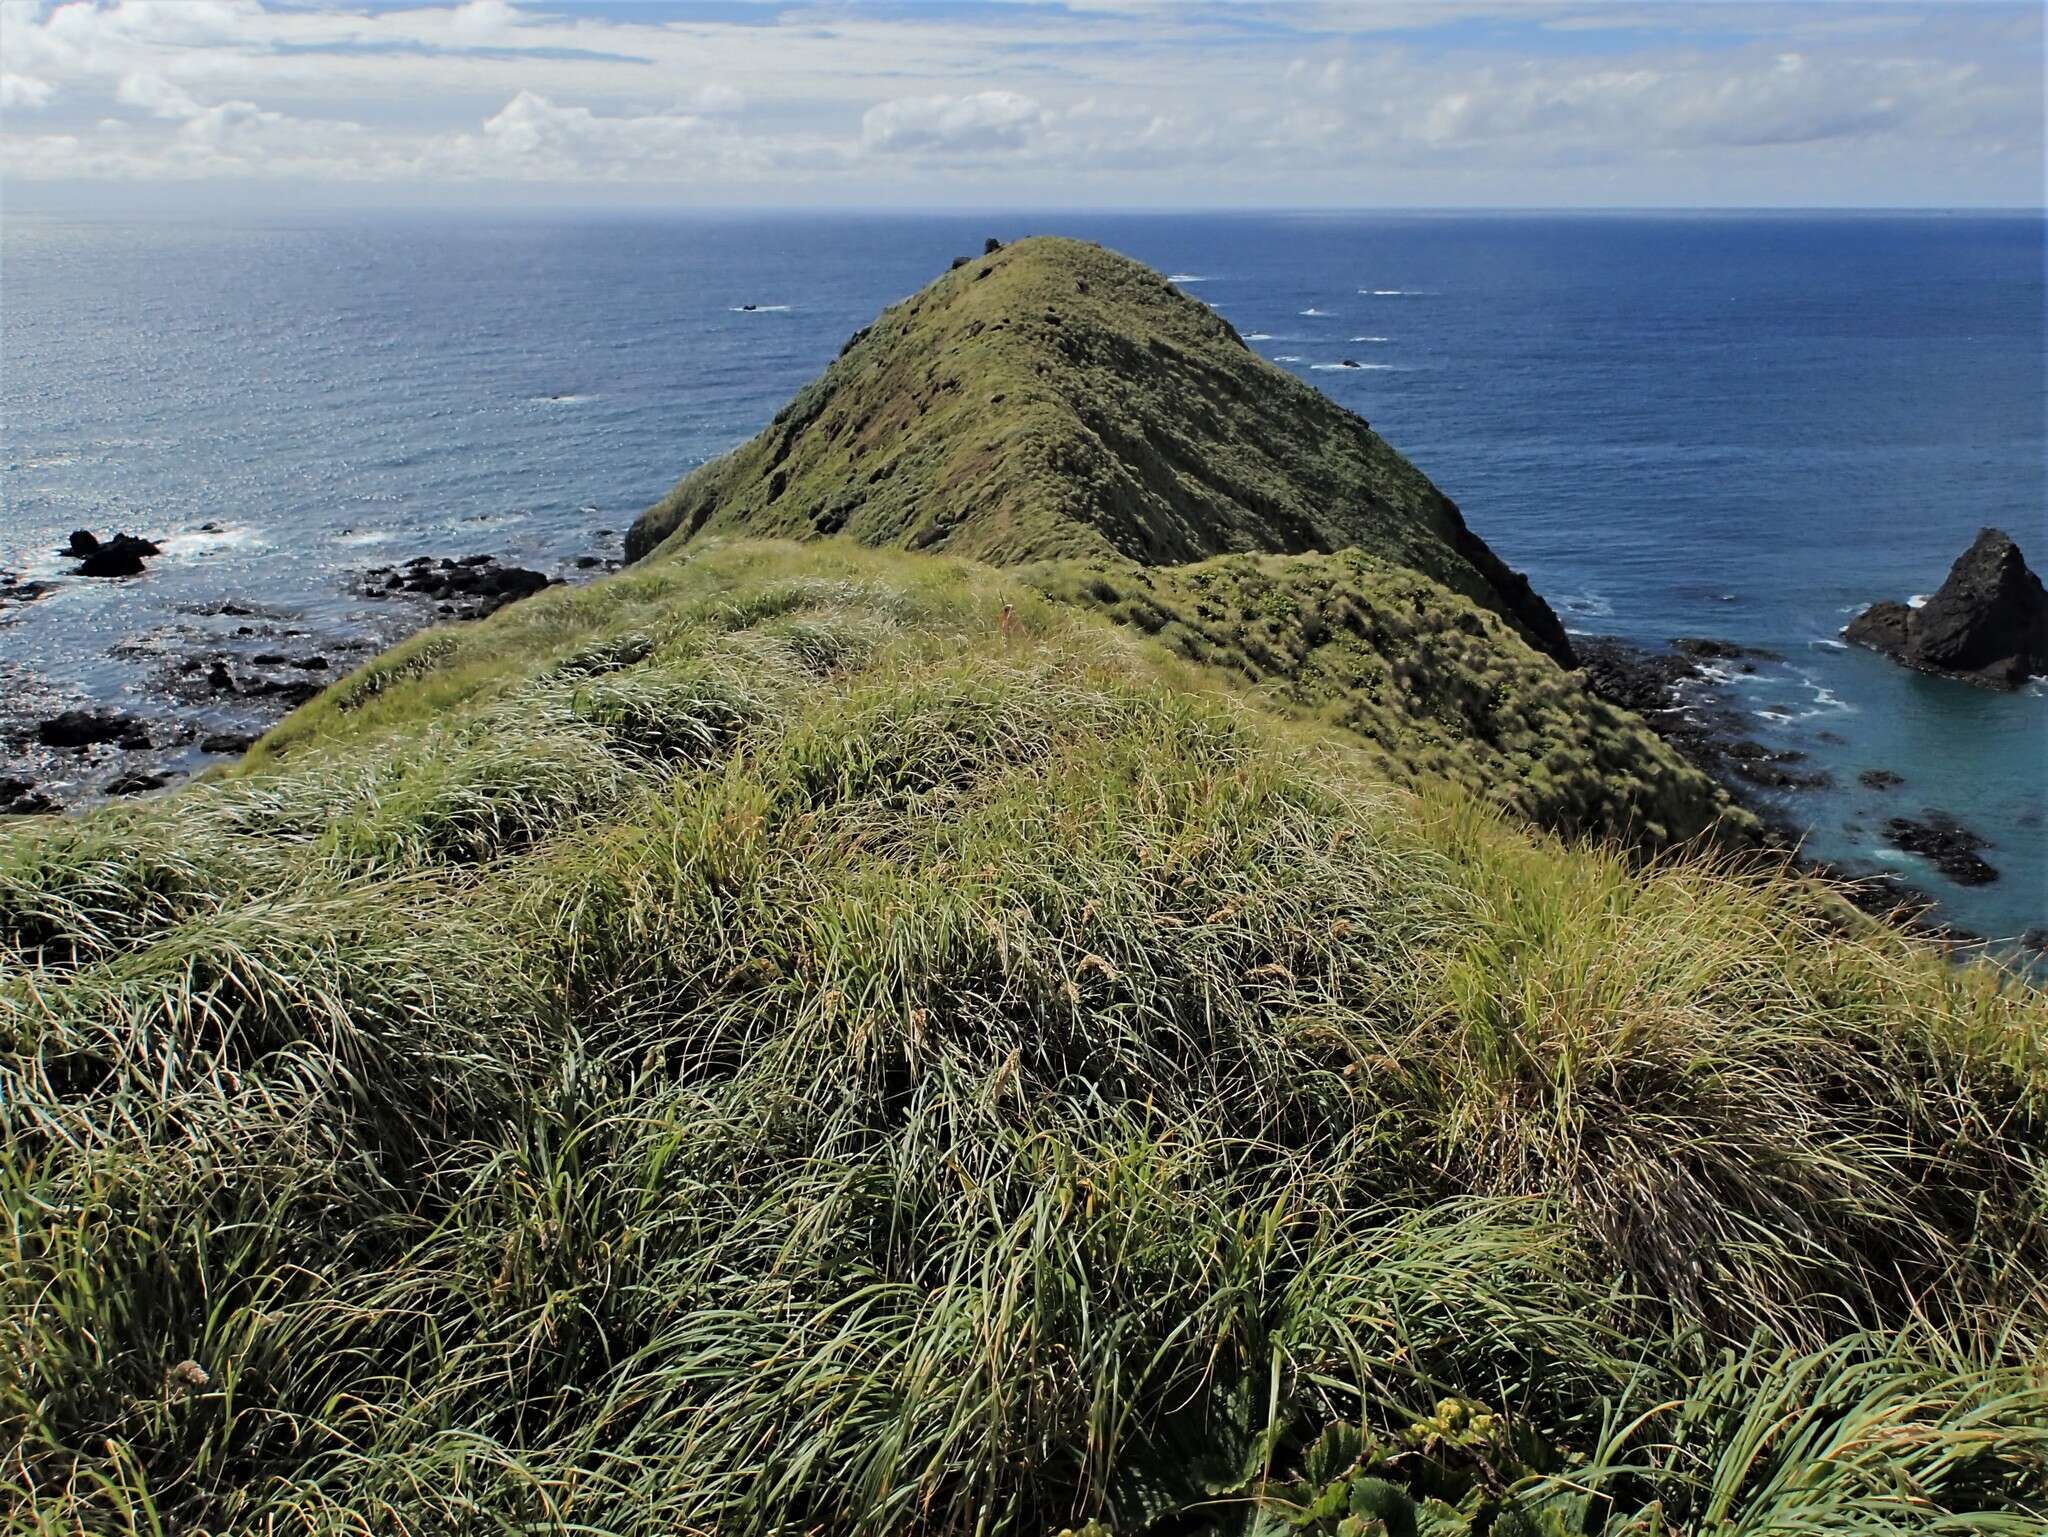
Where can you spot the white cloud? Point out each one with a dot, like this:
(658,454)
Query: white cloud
(1103,100)
(157,96)
(23,93)
(984,122)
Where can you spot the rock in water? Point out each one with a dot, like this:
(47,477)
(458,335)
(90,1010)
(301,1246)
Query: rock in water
(1987,624)
(121,555)
(89,728)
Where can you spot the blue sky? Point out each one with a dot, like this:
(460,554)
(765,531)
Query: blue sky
(1127,103)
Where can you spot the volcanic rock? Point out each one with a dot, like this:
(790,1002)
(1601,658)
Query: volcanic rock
(76,729)
(20,798)
(1987,624)
(122,555)
(469,588)
(1945,843)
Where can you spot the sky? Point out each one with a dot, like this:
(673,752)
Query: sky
(1021,103)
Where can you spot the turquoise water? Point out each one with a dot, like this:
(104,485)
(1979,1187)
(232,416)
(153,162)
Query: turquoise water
(1712,424)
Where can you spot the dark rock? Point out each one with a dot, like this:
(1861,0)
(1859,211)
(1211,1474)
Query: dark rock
(219,679)
(76,729)
(1988,623)
(311,664)
(1945,843)
(1706,649)
(137,783)
(122,555)
(1639,680)
(272,659)
(2035,939)
(958,263)
(1880,779)
(14,590)
(20,798)
(585,562)
(470,588)
(226,742)
(990,246)
(83,542)
(292,694)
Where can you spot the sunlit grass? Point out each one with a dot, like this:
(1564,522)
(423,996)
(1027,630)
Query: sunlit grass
(767,1044)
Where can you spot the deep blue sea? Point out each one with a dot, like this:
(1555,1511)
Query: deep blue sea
(1740,426)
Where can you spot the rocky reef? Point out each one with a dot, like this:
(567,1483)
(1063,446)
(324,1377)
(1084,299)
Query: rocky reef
(1987,624)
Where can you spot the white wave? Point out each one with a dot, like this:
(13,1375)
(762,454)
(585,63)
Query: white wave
(360,536)
(1918,600)
(1312,310)
(1825,700)
(1185,277)
(1592,605)
(1781,717)
(1354,368)
(1394,293)
(1258,336)
(1287,357)
(203,541)
(56,461)
(1828,644)
(1372,338)
(757,309)
(561,400)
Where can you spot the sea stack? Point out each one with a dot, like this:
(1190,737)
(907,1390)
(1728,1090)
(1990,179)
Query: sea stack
(1988,624)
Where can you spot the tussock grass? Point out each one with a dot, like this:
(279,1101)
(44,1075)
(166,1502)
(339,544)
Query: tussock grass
(767,1043)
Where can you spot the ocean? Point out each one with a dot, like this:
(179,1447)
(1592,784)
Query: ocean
(1740,426)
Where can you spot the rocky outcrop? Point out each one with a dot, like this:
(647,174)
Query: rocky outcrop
(122,555)
(468,588)
(1988,623)
(1944,843)
(76,729)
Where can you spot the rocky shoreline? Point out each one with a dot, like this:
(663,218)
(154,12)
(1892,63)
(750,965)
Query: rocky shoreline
(1682,701)
(217,687)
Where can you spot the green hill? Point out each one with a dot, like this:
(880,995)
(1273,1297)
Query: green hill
(1058,406)
(811,1038)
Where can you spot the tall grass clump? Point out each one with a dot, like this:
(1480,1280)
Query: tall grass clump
(806,1040)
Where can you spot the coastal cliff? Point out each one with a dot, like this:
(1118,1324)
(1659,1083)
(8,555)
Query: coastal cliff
(1032,992)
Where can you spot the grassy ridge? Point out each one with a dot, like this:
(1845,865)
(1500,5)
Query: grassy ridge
(1058,401)
(1443,691)
(807,1039)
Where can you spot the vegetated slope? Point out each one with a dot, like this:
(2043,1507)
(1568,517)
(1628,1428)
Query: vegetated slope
(1055,400)
(1442,690)
(802,1038)
(1060,405)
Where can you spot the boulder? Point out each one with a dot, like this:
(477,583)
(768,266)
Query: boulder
(122,555)
(1987,624)
(137,783)
(77,729)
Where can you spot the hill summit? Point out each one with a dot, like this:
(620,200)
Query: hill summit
(1060,409)
(1054,399)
